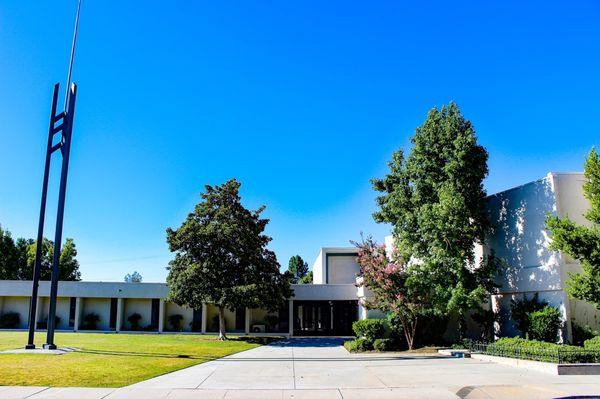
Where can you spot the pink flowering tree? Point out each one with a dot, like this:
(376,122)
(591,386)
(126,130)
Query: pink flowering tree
(394,286)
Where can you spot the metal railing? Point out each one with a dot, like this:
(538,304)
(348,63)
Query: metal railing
(559,355)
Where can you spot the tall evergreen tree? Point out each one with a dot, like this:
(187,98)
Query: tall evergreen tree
(581,242)
(435,201)
(298,268)
(221,257)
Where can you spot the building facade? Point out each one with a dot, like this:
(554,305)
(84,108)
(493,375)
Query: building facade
(520,240)
(330,305)
(327,307)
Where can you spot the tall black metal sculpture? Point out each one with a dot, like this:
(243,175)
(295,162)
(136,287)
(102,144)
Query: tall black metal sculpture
(61,126)
(61,123)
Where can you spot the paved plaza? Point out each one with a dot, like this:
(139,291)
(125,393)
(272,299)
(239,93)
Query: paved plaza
(323,369)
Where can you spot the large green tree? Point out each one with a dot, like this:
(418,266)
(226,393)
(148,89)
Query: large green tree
(435,200)
(298,268)
(13,256)
(18,257)
(581,242)
(68,265)
(221,257)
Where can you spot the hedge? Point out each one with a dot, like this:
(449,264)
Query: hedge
(358,345)
(521,348)
(592,344)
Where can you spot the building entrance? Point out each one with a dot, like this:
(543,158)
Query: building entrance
(324,317)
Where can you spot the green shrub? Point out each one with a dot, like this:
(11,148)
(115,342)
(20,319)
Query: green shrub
(520,310)
(544,324)
(358,345)
(10,320)
(134,320)
(592,344)
(582,333)
(383,344)
(175,322)
(371,329)
(90,321)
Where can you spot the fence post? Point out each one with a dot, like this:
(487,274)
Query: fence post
(558,355)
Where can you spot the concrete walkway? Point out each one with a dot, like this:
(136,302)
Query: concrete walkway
(322,369)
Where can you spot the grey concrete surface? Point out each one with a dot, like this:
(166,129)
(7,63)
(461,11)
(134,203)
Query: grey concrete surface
(322,369)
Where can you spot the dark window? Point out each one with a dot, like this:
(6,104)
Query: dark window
(197,320)
(113,313)
(240,319)
(154,314)
(72,309)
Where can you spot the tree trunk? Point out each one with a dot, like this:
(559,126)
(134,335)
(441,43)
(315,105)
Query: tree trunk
(410,329)
(222,336)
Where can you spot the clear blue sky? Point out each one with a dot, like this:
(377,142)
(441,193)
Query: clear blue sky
(303,103)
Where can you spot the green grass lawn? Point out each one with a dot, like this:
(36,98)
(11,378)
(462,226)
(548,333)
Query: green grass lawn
(109,360)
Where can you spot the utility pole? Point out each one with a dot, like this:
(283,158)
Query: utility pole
(60,124)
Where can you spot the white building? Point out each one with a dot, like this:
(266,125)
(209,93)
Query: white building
(332,302)
(323,308)
(520,239)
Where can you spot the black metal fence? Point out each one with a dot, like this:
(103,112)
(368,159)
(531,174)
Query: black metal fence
(559,355)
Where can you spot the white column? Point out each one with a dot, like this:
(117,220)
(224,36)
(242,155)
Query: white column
(291,318)
(38,311)
(161,315)
(119,314)
(77,314)
(248,316)
(203,329)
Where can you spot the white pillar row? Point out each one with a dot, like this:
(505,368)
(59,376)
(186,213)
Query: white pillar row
(248,316)
(204,310)
(119,315)
(77,314)
(291,318)
(161,315)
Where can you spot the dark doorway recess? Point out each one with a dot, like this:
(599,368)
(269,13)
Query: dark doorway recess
(333,318)
(197,320)
(112,320)
(240,319)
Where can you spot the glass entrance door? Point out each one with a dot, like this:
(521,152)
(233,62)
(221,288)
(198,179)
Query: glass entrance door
(324,317)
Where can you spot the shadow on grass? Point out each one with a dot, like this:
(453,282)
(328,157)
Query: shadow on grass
(147,354)
(252,340)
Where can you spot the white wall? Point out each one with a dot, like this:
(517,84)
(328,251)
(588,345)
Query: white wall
(342,269)
(335,266)
(173,309)
(211,312)
(319,269)
(520,239)
(141,306)
(99,306)
(18,305)
(62,311)
(573,204)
